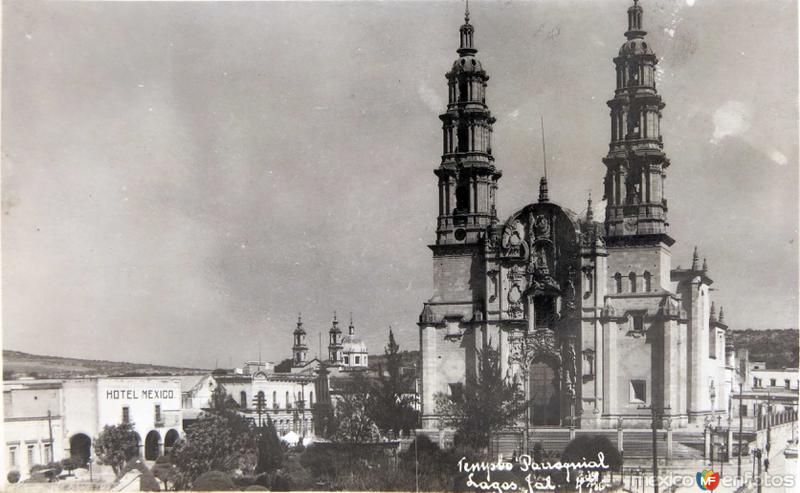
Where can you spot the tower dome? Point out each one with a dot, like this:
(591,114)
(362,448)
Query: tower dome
(354,350)
(467,64)
(635,46)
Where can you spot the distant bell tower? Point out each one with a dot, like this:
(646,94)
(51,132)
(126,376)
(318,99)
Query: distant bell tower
(335,342)
(636,164)
(467,175)
(300,349)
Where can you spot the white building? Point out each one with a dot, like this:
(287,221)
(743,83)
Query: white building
(287,397)
(79,409)
(786,378)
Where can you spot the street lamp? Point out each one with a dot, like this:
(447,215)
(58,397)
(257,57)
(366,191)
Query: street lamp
(655,442)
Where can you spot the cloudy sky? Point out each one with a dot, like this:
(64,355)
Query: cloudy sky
(180,179)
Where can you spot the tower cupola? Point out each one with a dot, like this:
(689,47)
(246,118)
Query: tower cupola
(466,30)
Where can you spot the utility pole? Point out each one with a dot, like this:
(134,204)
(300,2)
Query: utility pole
(739,459)
(50,427)
(758,479)
(655,443)
(260,405)
(769,422)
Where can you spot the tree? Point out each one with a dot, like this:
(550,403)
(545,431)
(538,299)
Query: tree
(487,403)
(390,404)
(324,419)
(354,424)
(270,451)
(165,471)
(117,444)
(222,441)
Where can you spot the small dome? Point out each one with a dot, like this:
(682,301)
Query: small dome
(635,47)
(352,344)
(467,64)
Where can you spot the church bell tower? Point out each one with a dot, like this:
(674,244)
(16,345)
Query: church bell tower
(636,164)
(299,349)
(467,175)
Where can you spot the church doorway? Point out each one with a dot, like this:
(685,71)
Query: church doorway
(545,394)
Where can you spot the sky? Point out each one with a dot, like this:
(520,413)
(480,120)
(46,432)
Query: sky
(179,180)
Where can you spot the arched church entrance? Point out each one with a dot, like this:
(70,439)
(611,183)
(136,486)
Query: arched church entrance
(151,451)
(80,447)
(545,394)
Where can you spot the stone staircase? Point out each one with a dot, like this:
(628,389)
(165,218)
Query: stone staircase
(637,444)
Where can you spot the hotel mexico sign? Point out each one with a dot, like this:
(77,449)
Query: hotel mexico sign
(136,394)
(148,402)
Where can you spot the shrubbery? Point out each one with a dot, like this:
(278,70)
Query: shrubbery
(213,481)
(13,477)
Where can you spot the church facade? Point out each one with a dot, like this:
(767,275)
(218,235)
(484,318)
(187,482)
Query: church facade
(589,316)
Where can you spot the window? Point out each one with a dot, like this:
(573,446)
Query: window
(588,366)
(347,360)
(311,398)
(126,415)
(638,391)
(743,410)
(462,198)
(158,413)
(771,382)
(288,405)
(457,391)
(712,343)
(637,322)
(618,282)
(48,453)
(358,360)
(12,457)
(243,399)
(787,383)
(31,454)
(648,282)
(632,282)
(274,400)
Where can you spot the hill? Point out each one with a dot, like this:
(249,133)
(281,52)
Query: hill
(17,364)
(408,360)
(779,348)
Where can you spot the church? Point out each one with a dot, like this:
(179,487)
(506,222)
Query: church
(589,316)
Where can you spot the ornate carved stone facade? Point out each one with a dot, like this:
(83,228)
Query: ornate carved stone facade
(590,317)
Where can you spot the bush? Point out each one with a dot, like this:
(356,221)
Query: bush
(55,466)
(213,481)
(70,464)
(13,477)
(45,472)
(256,487)
(587,448)
(148,482)
(292,476)
(165,470)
